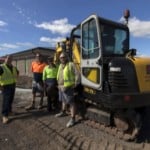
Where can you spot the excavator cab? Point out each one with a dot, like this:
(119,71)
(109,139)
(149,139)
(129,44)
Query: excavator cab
(100,40)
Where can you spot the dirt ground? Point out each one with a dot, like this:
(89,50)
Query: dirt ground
(41,130)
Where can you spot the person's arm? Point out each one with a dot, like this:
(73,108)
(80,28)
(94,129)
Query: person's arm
(32,66)
(77,74)
(44,80)
(77,77)
(44,74)
(17,71)
(1,72)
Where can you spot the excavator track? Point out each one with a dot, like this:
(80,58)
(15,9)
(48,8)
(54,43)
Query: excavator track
(126,126)
(110,130)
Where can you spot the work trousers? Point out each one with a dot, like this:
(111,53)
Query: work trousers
(8,93)
(51,92)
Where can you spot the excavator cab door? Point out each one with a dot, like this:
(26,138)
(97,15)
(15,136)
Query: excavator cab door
(91,66)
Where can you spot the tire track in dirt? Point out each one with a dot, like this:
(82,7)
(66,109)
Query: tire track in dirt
(40,130)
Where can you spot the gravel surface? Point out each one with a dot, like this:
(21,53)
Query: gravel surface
(41,130)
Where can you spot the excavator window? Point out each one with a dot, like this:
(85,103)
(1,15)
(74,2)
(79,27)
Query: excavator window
(90,40)
(114,40)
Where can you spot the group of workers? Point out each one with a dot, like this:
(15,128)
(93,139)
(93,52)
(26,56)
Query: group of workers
(57,82)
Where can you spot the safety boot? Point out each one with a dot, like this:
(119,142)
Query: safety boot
(5,120)
(70,123)
(31,106)
(61,114)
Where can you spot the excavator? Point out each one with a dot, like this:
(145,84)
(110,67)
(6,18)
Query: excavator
(115,81)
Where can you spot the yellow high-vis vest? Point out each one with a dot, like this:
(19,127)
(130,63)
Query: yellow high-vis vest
(8,77)
(49,72)
(68,74)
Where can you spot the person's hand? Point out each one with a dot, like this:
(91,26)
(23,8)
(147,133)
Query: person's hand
(60,87)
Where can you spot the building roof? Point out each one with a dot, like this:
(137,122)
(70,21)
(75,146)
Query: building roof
(30,53)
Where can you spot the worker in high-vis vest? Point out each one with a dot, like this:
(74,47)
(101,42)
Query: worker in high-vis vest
(68,78)
(50,84)
(8,78)
(37,67)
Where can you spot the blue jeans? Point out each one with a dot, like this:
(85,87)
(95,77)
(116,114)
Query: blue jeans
(8,94)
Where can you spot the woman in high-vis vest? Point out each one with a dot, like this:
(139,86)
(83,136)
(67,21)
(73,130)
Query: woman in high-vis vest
(67,78)
(8,77)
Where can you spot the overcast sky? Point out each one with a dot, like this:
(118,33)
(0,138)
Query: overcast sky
(26,24)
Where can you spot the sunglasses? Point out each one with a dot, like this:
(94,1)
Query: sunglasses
(62,57)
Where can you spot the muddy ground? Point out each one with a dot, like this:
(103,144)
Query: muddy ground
(41,130)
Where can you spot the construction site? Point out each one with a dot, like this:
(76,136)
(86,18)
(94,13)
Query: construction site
(110,101)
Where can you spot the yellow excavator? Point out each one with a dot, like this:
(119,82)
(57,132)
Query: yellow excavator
(115,82)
